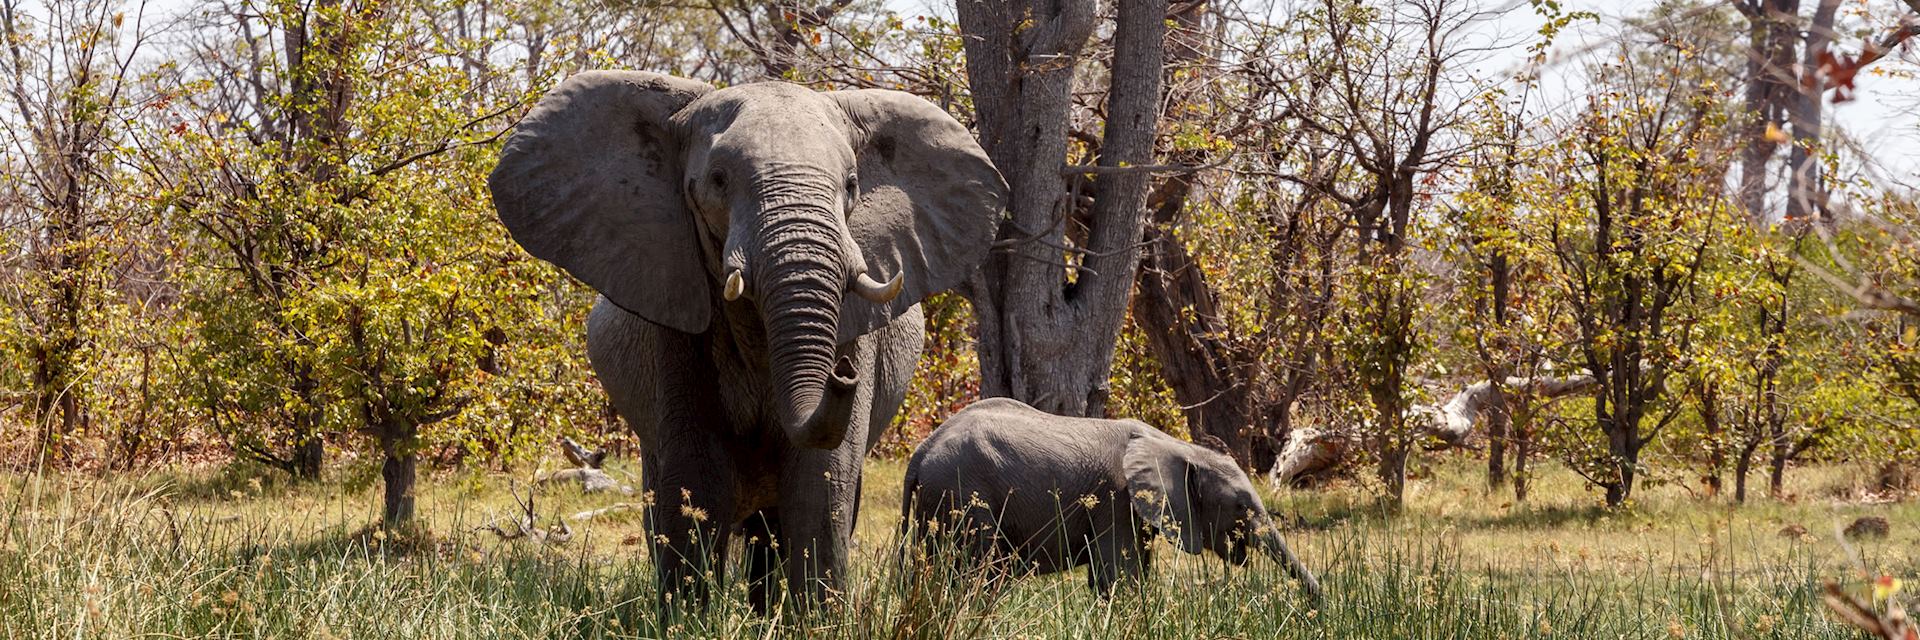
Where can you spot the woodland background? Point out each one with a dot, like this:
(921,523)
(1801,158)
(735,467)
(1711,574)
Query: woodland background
(257,232)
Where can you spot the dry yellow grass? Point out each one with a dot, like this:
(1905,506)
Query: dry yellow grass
(223,553)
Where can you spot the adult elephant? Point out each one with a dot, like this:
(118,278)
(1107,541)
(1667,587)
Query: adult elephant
(723,229)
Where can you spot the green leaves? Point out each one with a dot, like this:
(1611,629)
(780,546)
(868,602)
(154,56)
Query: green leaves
(353,279)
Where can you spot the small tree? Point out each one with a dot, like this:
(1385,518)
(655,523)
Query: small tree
(1629,241)
(353,278)
(65,225)
(1509,325)
(1390,112)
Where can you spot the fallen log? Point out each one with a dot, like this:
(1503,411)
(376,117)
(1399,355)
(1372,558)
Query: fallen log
(586,472)
(1311,454)
(1452,423)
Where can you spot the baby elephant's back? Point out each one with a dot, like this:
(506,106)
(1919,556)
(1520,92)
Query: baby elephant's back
(1005,453)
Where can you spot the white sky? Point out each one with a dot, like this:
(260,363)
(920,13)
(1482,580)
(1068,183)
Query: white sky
(1884,117)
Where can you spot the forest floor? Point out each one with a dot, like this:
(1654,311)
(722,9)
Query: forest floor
(233,552)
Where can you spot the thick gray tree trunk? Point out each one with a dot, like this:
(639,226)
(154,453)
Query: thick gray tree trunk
(1051,299)
(397,475)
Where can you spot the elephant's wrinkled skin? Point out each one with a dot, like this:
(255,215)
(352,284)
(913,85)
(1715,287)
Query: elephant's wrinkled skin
(1055,492)
(760,251)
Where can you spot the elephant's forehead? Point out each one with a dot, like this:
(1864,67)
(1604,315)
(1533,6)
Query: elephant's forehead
(768,110)
(753,125)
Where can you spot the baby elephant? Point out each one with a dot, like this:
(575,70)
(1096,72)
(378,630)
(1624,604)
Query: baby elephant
(1053,493)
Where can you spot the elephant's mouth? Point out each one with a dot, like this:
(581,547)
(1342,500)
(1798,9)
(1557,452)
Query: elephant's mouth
(1237,552)
(824,425)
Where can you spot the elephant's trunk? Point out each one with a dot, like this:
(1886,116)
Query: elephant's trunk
(801,275)
(1275,547)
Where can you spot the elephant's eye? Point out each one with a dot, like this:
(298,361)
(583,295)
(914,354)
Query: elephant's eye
(718,178)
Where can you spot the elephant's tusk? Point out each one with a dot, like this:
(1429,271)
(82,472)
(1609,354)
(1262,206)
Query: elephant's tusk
(735,285)
(875,292)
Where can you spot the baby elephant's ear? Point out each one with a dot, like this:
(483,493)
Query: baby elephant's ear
(590,181)
(929,205)
(1157,476)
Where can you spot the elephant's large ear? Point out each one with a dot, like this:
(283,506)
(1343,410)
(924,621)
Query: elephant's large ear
(930,201)
(590,181)
(1158,477)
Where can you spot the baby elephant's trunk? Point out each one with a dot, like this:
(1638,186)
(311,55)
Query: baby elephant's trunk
(1271,542)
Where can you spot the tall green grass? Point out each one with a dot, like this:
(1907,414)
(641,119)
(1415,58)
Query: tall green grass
(107,560)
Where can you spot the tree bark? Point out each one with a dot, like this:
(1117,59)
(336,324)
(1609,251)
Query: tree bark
(1772,415)
(1499,411)
(1770,89)
(309,457)
(1498,421)
(1393,473)
(1522,448)
(1777,469)
(1173,304)
(1742,464)
(1048,329)
(1178,314)
(397,475)
(1806,192)
(1715,436)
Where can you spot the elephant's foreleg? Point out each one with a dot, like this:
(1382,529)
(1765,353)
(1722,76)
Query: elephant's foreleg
(762,533)
(1117,557)
(662,381)
(820,491)
(689,523)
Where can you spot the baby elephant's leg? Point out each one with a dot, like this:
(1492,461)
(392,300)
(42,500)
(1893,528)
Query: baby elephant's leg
(1120,553)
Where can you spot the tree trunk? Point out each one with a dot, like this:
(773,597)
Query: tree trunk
(397,475)
(309,457)
(1777,470)
(1779,447)
(1393,472)
(1046,330)
(1498,422)
(1500,411)
(1175,307)
(1618,491)
(1773,415)
(1771,40)
(1715,436)
(1806,194)
(1522,448)
(309,447)
(1176,311)
(1741,466)
(1622,428)
(1385,374)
